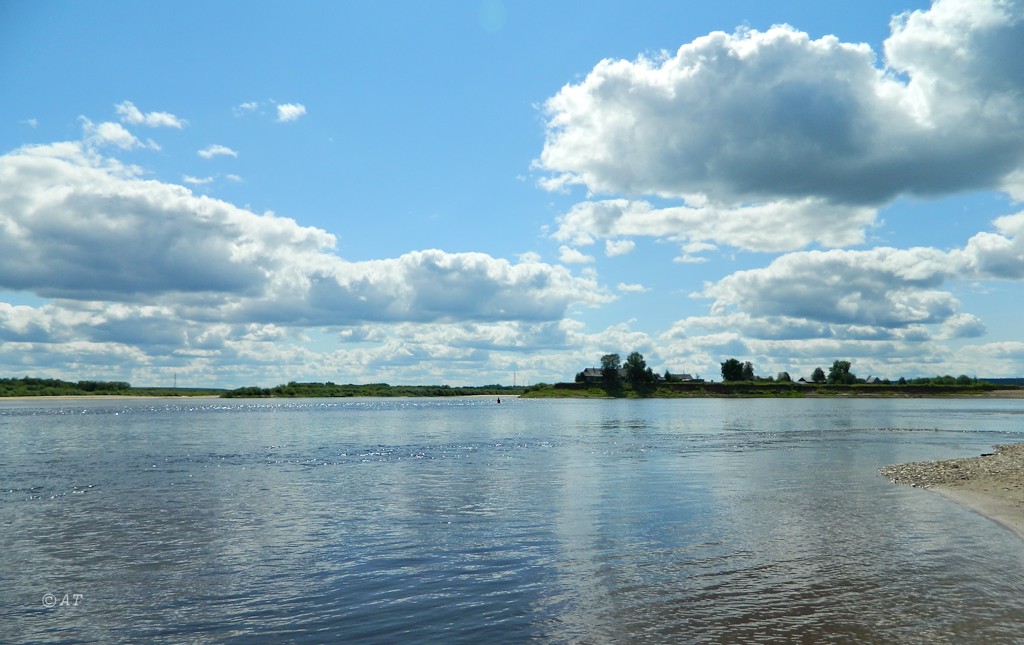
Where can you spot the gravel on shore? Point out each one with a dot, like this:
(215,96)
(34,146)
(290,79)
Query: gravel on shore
(992,484)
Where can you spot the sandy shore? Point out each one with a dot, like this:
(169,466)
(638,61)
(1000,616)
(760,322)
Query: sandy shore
(992,484)
(1005,394)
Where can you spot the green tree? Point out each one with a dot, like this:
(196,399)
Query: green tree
(818,376)
(610,365)
(748,371)
(784,377)
(840,373)
(636,369)
(732,370)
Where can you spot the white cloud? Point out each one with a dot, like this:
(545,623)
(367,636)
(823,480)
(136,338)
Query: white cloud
(290,111)
(775,226)
(1000,254)
(131,114)
(613,248)
(146,278)
(687,258)
(962,326)
(196,181)
(892,309)
(962,58)
(570,255)
(127,240)
(245,108)
(880,288)
(769,115)
(632,288)
(691,252)
(110,133)
(756,130)
(215,150)
(1013,185)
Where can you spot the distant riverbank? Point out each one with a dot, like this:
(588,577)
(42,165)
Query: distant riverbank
(44,387)
(35,388)
(770,390)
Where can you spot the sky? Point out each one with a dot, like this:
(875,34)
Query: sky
(226,194)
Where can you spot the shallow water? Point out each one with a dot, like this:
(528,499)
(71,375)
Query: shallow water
(460,520)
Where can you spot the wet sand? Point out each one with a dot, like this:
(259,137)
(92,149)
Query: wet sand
(992,484)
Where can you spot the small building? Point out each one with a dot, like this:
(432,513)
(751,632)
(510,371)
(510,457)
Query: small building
(595,375)
(680,378)
(592,375)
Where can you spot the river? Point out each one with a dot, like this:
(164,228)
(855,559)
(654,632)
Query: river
(465,520)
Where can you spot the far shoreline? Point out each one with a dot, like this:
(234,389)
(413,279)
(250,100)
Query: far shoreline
(557,393)
(216,397)
(752,390)
(108,397)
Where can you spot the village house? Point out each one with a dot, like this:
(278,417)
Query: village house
(594,375)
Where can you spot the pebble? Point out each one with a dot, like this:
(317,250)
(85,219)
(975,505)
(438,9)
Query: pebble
(1005,466)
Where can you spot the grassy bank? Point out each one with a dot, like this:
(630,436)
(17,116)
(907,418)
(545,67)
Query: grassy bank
(758,390)
(28,386)
(333,390)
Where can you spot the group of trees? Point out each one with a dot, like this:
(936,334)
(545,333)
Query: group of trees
(29,386)
(734,370)
(838,374)
(293,389)
(634,370)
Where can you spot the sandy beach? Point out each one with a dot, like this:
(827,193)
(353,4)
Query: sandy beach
(992,484)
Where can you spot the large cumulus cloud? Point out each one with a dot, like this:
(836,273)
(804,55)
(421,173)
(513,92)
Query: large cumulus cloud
(881,302)
(776,117)
(882,287)
(78,226)
(773,227)
(131,277)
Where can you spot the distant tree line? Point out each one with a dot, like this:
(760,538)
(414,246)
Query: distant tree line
(29,386)
(293,389)
(614,372)
(839,374)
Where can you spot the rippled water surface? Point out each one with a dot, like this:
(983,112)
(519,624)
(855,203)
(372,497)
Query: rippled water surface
(462,520)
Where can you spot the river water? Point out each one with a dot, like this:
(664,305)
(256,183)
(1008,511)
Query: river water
(465,520)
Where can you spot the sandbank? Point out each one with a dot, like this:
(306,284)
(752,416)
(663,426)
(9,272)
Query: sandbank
(1005,394)
(992,484)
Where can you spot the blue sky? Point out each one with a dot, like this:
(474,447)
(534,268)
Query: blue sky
(247,193)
